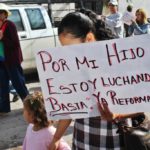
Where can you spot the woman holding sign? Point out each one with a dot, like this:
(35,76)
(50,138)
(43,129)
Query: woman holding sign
(97,132)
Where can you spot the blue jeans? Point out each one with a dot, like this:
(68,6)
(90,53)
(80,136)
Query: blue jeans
(15,74)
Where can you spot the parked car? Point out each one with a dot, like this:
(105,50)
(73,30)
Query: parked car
(35,31)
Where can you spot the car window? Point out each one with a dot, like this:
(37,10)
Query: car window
(35,18)
(16,18)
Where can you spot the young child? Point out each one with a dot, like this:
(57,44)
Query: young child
(40,132)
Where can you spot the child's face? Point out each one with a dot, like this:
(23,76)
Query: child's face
(28,116)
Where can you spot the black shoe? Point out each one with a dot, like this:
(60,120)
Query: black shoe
(15,98)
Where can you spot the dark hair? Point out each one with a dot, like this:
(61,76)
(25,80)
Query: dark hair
(35,104)
(80,23)
(76,24)
(129,8)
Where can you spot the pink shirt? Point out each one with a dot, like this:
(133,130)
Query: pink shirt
(40,140)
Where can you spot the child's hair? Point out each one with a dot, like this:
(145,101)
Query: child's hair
(129,8)
(80,23)
(34,103)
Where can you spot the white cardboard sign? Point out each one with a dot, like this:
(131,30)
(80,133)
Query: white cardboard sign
(75,78)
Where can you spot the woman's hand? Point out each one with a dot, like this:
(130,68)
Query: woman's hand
(103,17)
(105,112)
(133,22)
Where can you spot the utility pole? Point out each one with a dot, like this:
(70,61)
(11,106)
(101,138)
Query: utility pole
(81,4)
(50,10)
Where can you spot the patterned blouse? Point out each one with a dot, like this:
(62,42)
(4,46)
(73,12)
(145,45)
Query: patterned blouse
(96,134)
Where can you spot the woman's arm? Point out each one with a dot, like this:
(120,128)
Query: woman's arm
(106,114)
(10,36)
(61,128)
(140,30)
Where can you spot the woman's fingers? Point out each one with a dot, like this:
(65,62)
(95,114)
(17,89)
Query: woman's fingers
(105,111)
(106,108)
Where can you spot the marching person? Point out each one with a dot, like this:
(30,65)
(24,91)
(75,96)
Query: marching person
(40,131)
(127,18)
(113,21)
(139,25)
(93,133)
(10,68)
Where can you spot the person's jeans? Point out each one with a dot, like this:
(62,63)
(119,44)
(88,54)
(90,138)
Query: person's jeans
(15,74)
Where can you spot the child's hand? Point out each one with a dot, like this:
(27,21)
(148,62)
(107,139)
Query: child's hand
(54,145)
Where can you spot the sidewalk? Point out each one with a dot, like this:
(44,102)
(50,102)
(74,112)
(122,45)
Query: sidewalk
(12,127)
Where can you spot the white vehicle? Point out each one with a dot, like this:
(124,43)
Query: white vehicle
(59,10)
(35,31)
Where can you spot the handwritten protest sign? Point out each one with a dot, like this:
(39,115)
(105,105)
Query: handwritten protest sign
(75,78)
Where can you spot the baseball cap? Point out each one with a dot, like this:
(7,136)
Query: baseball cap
(113,2)
(5,8)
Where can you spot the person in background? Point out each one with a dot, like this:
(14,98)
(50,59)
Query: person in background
(113,21)
(10,68)
(140,25)
(127,18)
(40,131)
(94,133)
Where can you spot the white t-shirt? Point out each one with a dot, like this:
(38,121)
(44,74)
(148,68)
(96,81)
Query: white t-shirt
(40,140)
(115,24)
(128,17)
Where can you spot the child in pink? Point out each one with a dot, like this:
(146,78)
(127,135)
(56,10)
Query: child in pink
(40,132)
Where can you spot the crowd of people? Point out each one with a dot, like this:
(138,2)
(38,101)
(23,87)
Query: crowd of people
(77,27)
(127,24)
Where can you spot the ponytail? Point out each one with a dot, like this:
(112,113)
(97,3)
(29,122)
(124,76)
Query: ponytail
(80,23)
(101,31)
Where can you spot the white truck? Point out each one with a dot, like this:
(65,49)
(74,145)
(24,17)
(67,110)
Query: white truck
(35,31)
